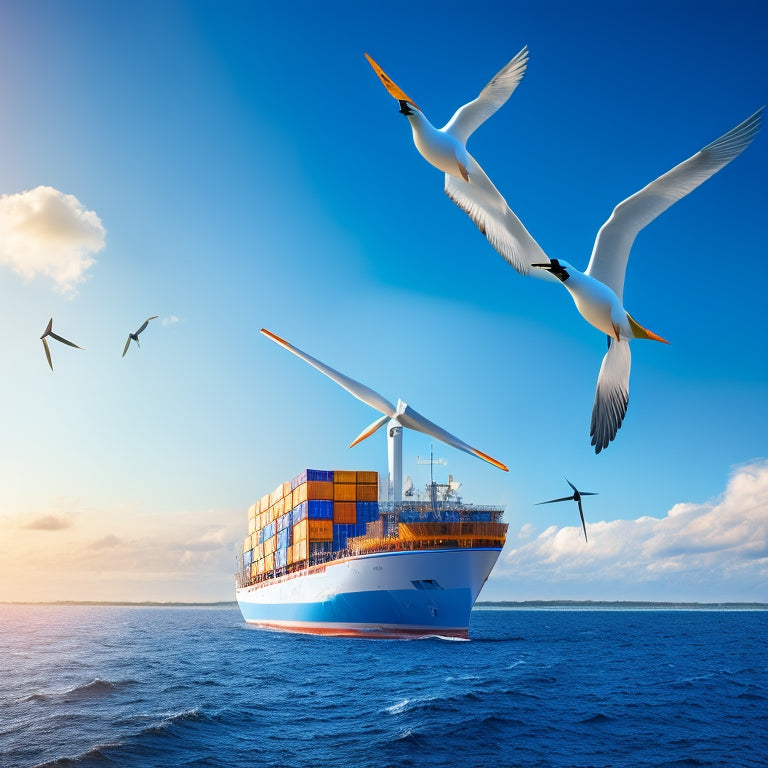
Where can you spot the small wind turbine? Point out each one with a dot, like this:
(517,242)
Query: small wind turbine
(397,417)
(577,498)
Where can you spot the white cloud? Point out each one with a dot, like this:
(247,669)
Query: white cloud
(172,320)
(714,548)
(48,523)
(46,232)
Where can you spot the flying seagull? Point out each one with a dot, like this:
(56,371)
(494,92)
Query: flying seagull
(49,332)
(395,417)
(465,181)
(577,498)
(135,336)
(598,291)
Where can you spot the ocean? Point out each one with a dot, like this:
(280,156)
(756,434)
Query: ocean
(145,687)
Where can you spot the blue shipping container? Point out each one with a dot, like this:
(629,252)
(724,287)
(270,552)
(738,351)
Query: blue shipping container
(319,509)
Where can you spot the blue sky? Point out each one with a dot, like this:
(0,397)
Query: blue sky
(245,168)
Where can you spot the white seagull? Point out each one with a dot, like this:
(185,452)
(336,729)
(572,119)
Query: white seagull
(597,292)
(49,332)
(465,181)
(135,336)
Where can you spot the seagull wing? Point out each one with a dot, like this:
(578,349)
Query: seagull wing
(608,262)
(472,115)
(127,344)
(611,395)
(360,391)
(146,323)
(47,352)
(583,524)
(63,341)
(413,420)
(483,203)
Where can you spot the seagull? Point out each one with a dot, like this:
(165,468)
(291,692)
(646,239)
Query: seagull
(465,181)
(598,291)
(49,332)
(577,498)
(135,336)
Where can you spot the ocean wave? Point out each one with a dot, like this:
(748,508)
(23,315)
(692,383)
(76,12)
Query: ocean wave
(436,703)
(96,689)
(96,753)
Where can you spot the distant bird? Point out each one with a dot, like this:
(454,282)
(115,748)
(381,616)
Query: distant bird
(577,498)
(465,181)
(597,292)
(49,332)
(135,336)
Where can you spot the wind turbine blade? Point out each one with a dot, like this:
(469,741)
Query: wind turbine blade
(360,391)
(63,340)
(48,328)
(47,352)
(583,524)
(127,344)
(414,420)
(587,493)
(368,431)
(575,490)
(552,501)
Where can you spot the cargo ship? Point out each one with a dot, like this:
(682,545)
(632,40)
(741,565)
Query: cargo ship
(324,556)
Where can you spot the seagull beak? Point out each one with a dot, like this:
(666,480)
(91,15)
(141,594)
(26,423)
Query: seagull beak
(394,90)
(643,333)
(547,266)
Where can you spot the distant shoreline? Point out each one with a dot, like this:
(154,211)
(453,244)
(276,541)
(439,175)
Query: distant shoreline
(512,604)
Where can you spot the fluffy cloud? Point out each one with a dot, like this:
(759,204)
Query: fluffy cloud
(46,232)
(722,544)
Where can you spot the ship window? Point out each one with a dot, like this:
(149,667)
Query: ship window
(426,584)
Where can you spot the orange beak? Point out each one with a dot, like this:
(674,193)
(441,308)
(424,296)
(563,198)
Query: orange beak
(394,90)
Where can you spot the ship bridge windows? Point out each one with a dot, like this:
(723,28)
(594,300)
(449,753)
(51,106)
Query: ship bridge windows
(426,584)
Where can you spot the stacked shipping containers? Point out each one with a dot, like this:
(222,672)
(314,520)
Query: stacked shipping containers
(315,512)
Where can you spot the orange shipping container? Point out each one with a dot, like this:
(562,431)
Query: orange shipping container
(300,531)
(251,525)
(368,478)
(299,494)
(367,492)
(254,569)
(289,501)
(344,476)
(246,544)
(320,530)
(270,545)
(264,503)
(319,489)
(253,510)
(299,551)
(280,508)
(344,512)
(286,488)
(344,491)
(269,563)
(277,494)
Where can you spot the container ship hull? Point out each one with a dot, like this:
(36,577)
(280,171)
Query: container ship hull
(385,595)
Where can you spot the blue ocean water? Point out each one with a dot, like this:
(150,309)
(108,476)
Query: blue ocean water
(97,686)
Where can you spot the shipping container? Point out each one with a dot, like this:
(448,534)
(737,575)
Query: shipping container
(264,503)
(284,538)
(287,488)
(246,543)
(344,512)
(276,495)
(319,489)
(255,568)
(323,475)
(344,476)
(367,478)
(299,551)
(253,510)
(251,525)
(319,509)
(367,511)
(247,558)
(281,559)
(367,492)
(270,545)
(301,531)
(320,530)
(344,492)
(269,563)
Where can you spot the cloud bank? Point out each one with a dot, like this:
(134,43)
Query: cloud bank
(46,232)
(48,523)
(718,548)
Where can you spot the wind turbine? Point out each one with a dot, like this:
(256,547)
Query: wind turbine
(396,417)
(577,498)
